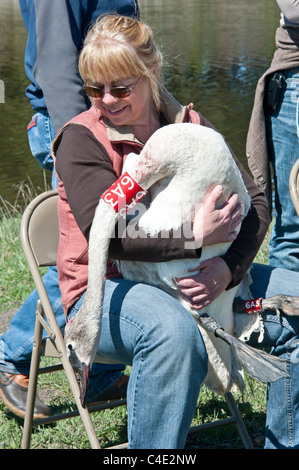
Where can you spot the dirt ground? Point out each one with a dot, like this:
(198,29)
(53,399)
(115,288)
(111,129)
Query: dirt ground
(5,318)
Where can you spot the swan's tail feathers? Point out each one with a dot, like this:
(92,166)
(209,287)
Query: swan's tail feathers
(257,363)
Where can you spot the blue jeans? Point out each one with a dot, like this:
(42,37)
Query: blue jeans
(16,343)
(282,334)
(283,145)
(40,135)
(149,330)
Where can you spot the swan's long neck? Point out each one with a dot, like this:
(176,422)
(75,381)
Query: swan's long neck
(102,230)
(90,313)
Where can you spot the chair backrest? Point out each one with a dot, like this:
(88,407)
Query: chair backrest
(40,228)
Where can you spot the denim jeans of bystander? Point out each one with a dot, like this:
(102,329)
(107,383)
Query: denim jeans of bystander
(283,145)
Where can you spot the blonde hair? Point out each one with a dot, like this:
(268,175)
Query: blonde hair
(118,47)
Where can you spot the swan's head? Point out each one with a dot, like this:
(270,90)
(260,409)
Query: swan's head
(80,351)
(81,371)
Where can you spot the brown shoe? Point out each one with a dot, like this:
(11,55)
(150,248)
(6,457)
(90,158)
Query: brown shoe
(116,391)
(13,391)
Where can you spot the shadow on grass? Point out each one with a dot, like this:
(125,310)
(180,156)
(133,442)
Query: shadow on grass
(110,426)
(226,437)
(112,429)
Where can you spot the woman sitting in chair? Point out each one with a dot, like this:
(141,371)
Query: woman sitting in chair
(143,326)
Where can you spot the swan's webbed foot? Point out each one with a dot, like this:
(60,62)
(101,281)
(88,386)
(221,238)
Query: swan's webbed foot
(287,304)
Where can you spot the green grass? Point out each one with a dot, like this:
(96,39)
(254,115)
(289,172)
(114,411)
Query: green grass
(15,279)
(16,284)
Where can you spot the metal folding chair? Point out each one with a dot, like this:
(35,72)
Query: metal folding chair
(294,185)
(39,237)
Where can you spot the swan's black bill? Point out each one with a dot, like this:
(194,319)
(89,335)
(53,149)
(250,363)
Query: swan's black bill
(82,375)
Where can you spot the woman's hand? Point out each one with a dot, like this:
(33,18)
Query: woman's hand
(202,288)
(212,225)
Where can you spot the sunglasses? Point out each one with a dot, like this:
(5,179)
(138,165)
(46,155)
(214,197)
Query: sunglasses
(116,92)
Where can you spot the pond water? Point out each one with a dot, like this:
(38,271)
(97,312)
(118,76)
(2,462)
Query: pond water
(214,51)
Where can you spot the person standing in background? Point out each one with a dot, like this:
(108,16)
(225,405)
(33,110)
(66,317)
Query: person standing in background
(56,30)
(273,136)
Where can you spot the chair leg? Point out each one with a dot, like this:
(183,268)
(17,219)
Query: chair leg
(239,420)
(33,377)
(84,413)
(32,386)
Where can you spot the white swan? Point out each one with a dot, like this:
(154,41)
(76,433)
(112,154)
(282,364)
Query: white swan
(179,164)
